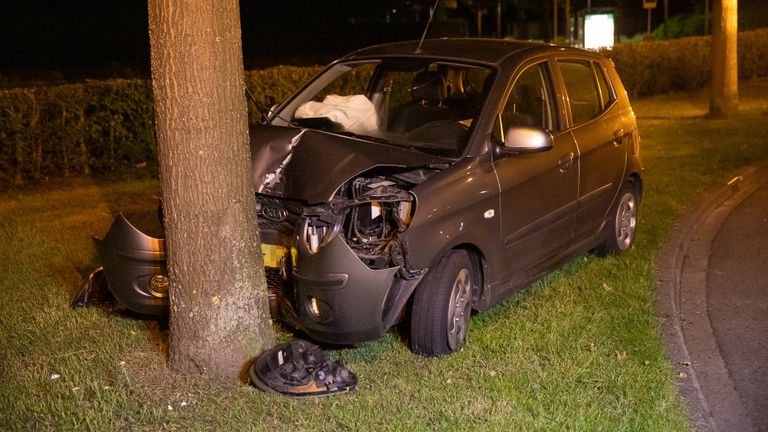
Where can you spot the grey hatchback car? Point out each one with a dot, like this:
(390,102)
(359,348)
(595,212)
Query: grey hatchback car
(416,183)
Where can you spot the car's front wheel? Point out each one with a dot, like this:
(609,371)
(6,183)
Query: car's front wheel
(622,225)
(442,305)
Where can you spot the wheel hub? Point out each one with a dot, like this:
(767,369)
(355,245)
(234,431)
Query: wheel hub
(458,314)
(626,221)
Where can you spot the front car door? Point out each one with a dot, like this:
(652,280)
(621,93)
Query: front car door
(538,190)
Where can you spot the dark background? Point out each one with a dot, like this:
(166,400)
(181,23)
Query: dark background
(64,40)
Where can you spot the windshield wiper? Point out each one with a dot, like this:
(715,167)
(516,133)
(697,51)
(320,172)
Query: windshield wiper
(367,137)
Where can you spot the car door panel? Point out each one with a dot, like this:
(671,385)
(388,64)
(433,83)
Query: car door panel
(603,159)
(538,199)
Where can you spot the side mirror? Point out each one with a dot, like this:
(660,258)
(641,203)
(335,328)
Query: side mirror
(525,139)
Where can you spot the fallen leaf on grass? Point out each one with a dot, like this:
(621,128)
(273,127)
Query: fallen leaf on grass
(606,287)
(621,356)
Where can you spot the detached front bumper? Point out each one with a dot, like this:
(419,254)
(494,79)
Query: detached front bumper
(135,267)
(334,297)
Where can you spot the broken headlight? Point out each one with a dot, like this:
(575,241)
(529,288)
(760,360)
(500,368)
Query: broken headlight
(369,213)
(381,211)
(320,229)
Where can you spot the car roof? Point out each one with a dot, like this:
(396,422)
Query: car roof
(493,51)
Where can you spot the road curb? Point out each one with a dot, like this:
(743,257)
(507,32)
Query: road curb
(681,303)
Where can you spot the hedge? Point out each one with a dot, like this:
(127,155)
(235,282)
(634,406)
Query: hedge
(61,130)
(653,67)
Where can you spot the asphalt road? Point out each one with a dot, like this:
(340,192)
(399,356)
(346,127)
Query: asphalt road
(737,301)
(713,302)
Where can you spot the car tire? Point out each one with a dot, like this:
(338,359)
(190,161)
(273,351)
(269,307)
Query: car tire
(621,230)
(442,305)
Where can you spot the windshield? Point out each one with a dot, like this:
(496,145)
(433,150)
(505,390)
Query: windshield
(427,105)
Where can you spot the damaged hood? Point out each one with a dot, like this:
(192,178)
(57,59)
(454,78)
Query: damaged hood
(310,165)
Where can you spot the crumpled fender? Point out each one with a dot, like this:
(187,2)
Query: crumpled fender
(130,260)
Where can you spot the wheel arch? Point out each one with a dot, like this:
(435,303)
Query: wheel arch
(479,272)
(637,183)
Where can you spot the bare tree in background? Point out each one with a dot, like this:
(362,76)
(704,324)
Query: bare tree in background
(724,88)
(219,306)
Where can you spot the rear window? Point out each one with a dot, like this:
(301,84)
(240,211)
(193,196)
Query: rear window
(582,88)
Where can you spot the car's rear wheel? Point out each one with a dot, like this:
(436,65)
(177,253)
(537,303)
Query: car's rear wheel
(622,226)
(442,305)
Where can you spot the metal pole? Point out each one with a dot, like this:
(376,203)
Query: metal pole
(498,19)
(479,23)
(554,13)
(706,17)
(568,31)
(648,32)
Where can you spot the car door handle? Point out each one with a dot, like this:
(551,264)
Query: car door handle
(618,137)
(566,162)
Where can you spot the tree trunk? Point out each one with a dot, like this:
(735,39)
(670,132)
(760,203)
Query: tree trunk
(724,88)
(219,307)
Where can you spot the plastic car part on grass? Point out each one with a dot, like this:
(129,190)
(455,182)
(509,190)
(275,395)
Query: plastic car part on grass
(93,291)
(300,369)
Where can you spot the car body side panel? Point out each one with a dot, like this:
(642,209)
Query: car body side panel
(538,202)
(459,206)
(603,162)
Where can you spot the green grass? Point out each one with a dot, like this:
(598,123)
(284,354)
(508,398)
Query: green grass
(579,350)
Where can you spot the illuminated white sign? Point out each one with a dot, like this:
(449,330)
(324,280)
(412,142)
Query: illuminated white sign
(598,31)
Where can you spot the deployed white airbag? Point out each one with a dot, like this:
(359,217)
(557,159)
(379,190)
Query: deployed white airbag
(354,113)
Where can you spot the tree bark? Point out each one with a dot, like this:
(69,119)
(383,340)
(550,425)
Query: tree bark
(724,88)
(219,307)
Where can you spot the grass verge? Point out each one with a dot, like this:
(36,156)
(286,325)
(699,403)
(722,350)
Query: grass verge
(578,350)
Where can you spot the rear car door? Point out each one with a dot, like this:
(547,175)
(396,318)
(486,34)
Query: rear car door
(538,190)
(599,130)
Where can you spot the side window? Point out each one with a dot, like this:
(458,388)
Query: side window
(530,102)
(607,94)
(583,91)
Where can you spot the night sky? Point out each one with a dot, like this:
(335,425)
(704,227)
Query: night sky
(78,38)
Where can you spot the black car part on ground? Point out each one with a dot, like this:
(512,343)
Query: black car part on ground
(300,369)
(93,291)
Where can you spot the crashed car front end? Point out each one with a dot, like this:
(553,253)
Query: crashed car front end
(337,270)
(350,277)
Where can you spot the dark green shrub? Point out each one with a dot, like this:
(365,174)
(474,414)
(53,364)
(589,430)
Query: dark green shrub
(61,130)
(652,67)
(272,86)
